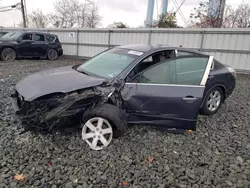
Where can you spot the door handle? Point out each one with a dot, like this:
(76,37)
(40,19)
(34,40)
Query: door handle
(33,43)
(189,99)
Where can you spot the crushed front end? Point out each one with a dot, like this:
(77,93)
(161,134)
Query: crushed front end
(50,111)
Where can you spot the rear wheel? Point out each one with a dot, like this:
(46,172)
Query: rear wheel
(52,54)
(101,124)
(213,101)
(8,54)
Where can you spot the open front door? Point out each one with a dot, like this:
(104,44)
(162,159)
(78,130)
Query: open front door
(169,93)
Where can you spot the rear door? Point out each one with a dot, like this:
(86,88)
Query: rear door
(168,93)
(41,45)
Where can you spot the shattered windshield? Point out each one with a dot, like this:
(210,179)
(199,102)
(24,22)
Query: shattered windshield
(109,63)
(12,35)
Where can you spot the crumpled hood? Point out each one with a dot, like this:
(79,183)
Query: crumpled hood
(57,80)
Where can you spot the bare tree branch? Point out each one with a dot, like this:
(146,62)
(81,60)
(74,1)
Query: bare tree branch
(37,19)
(72,13)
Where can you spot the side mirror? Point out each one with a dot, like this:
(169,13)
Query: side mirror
(19,40)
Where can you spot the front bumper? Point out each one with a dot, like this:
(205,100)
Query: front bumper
(47,113)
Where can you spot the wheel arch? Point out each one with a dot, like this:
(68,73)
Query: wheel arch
(221,86)
(8,46)
(51,48)
(13,48)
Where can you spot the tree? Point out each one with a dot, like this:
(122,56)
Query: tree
(167,20)
(200,18)
(233,18)
(118,25)
(239,17)
(72,13)
(93,17)
(37,19)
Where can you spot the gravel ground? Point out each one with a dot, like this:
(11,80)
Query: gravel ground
(216,155)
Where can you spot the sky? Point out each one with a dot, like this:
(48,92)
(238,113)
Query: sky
(131,12)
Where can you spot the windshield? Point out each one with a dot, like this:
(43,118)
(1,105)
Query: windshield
(109,63)
(12,35)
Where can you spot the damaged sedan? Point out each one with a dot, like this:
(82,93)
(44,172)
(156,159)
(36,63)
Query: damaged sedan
(132,84)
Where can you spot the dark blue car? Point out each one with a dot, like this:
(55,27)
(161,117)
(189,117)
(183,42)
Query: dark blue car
(132,84)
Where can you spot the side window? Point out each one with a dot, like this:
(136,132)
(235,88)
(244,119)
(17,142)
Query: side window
(50,38)
(184,53)
(189,71)
(27,36)
(182,71)
(150,61)
(39,37)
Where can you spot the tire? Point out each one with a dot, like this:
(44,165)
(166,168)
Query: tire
(111,117)
(52,54)
(212,105)
(8,54)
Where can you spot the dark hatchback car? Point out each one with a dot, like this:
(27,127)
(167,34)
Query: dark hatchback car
(135,84)
(20,44)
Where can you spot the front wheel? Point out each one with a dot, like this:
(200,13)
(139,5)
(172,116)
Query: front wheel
(52,54)
(212,101)
(8,54)
(102,124)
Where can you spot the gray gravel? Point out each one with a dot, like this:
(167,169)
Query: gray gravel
(216,155)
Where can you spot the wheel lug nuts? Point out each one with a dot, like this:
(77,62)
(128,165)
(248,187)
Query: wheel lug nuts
(99,137)
(100,132)
(94,136)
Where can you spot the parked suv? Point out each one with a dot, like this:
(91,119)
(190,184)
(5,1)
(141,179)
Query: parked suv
(23,44)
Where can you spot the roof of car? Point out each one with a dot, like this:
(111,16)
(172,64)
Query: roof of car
(150,47)
(38,32)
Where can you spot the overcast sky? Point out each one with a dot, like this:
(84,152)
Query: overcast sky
(131,12)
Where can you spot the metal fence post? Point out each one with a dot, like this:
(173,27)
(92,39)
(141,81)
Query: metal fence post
(202,39)
(77,43)
(149,36)
(109,38)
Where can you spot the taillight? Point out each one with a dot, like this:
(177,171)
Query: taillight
(232,71)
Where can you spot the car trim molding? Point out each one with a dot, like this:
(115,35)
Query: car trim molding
(207,70)
(174,85)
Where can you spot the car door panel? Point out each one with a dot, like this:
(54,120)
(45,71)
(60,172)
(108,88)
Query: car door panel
(169,103)
(174,106)
(41,45)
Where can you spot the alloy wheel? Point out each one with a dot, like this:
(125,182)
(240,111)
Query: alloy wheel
(97,132)
(8,54)
(214,100)
(52,54)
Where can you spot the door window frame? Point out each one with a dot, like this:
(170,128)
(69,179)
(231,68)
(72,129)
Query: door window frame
(39,40)
(140,61)
(21,37)
(203,80)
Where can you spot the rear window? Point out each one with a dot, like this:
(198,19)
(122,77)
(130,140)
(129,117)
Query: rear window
(57,40)
(50,38)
